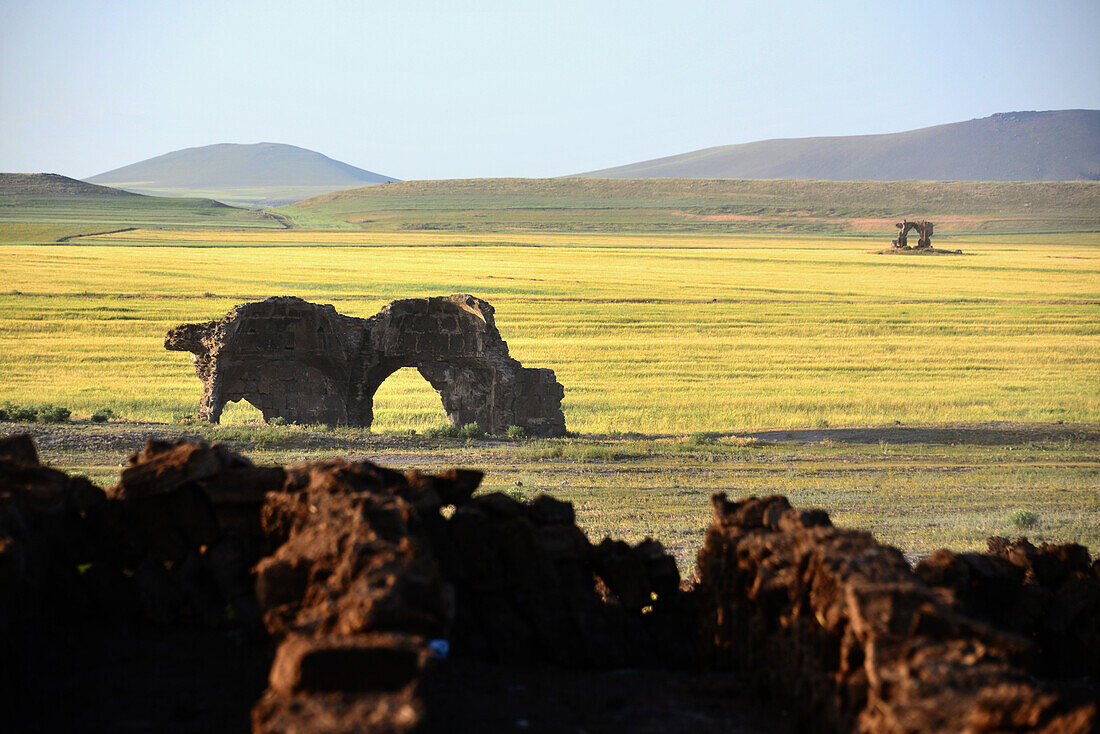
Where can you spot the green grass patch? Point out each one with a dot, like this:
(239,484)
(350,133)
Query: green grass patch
(701,205)
(924,494)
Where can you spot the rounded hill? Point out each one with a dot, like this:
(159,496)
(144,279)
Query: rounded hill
(51,185)
(259,173)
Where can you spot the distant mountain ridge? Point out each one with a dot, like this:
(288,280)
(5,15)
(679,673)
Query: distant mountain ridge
(1059,145)
(261,173)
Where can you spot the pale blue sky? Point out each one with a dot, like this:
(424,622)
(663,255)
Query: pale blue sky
(513,88)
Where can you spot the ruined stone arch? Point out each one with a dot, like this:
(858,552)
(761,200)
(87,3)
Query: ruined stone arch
(305,362)
(924,233)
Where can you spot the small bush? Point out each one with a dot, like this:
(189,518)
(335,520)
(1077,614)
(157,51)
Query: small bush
(103,415)
(18,413)
(516,433)
(472,430)
(1023,518)
(700,438)
(52,414)
(277,421)
(516,493)
(447,431)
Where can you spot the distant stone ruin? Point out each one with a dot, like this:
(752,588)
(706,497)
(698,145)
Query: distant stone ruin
(306,363)
(924,232)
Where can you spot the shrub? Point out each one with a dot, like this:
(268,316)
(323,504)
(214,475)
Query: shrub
(18,413)
(103,415)
(52,414)
(516,433)
(277,421)
(516,493)
(447,431)
(472,430)
(1023,518)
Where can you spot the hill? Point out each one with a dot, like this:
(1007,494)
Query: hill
(263,174)
(50,185)
(703,205)
(46,207)
(1062,145)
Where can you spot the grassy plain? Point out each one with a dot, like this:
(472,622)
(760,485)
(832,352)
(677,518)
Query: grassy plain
(704,205)
(915,487)
(246,197)
(43,219)
(774,344)
(654,334)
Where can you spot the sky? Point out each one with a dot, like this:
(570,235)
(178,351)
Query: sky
(456,89)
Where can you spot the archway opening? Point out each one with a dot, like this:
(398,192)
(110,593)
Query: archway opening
(405,401)
(241,412)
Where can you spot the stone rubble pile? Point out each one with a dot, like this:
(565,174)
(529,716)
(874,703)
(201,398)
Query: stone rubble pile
(1049,595)
(370,577)
(352,570)
(171,543)
(842,626)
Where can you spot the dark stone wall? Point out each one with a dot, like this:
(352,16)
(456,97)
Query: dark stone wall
(844,628)
(199,565)
(305,362)
(338,596)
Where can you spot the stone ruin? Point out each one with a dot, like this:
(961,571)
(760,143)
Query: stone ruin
(1007,640)
(924,232)
(306,363)
(203,593)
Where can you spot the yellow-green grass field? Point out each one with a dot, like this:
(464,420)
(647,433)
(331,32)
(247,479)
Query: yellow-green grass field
(52,216)
(658,334)
(919,488)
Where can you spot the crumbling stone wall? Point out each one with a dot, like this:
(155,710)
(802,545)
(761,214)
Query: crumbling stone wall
(305,362)
(117,604)
(370,578)
(1048,595)
(356,576)
(843,626)
(358,581)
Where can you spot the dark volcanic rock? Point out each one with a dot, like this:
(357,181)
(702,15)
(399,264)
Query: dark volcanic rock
(1049,595)
(842,624)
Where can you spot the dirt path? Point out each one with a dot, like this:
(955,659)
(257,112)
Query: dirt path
(69,237)
(978,434)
